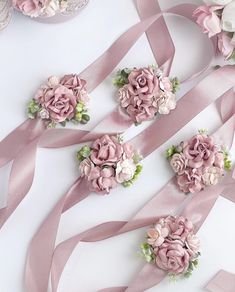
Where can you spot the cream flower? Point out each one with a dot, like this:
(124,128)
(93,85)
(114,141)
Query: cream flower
(125,170)
(228,17)
(211,175)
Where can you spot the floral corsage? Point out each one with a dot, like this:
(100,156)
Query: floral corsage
(172,246)
(61,100)
(198,162)
(109,162)
(144,92)
(217,18)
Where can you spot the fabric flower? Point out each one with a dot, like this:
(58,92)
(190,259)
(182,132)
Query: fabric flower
(125,170)
(211,175)
(31,8)
(200,150)
(78,85)
(193,244)
(225,45)
(106,150)
(166,102)
(157,235)
(60,102)
(173,257)
(228,17)
(190,181)
(102,180)
(180,227)
(178,162)
(85,167)
(124,96)
(207,18)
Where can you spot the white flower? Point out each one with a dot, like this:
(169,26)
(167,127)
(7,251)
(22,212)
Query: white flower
(125,170)
(53,81)
(166,103)
(44,114)
(211,175)
(217,2)
(51,8)
(228,17)
(193,243)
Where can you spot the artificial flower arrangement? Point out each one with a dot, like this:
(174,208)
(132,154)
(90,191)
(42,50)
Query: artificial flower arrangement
(198,162)
(144,92)
(48,8)
(61,100)
(109,162)
(172,246)
(217,18)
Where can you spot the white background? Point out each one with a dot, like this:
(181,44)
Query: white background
(32,51)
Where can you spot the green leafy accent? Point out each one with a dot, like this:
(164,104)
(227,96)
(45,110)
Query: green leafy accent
(51,125)
(203,131)
(130,182)
(175,84)
(83,153)
(147,252)
(192,265)
(227,161)
(171,151)
(33,109)
(81,115)
(121,77)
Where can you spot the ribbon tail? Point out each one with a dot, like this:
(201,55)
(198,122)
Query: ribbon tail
(41,248)
(222,282)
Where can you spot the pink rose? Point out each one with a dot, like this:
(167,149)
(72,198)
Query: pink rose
(59,101)
(193,244)
(173,257)
(140,110)
(179,227)
(211,175)
(86,167)
(157,235)
(106,151)
(225,45)
(200,150)
(143,82)
(178,163)
(124,96)
(31,8)
(78,85)
(190,181)
(102,180)
(207,18)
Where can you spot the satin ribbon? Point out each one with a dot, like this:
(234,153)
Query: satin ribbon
(223,281)
(116,121)
(146,144)
(164,203)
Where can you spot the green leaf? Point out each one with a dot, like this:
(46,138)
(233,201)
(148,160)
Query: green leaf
(171,151)
(121,77)
(175,84)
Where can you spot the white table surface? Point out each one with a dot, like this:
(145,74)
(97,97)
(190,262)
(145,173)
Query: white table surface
(32,51)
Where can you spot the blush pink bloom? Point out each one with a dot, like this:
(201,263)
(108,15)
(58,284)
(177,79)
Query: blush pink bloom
(157,235)
(86,167)
(106,151)
(193,244)
(219,160)
(166,102)
(200,150)
(211,175)
(78,85)
(178,163)
(102,180)
(173,257)
(190,181)
(125,170)
(31,8)
(208,20)
(179,226)
(225,45)
(124,96)
(140,110)
(60,102)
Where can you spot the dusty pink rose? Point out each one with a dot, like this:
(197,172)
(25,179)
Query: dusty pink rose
(78,85)
(31,8)
(106,151)
(225,45)
(207,18)
(193,244)
(102,180)
(141,110)
(179,226)
(59,101)
(124,97)
(86,167)
(178,163)
(200,150)
(157,235)
(173,257)
(190,181)
(143,82)
(211,175)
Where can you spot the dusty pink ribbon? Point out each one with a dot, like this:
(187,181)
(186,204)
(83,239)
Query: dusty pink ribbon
(164,203)
(116,122)
(39,259)
(223,281)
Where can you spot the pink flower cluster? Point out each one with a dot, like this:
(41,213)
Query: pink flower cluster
(217,18)
(107,163)
(146,94)
(173,245)
(60,100)
(198,163)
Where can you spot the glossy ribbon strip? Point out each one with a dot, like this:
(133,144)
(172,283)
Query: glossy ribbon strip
(39,260)
(196,210)
(223,281)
